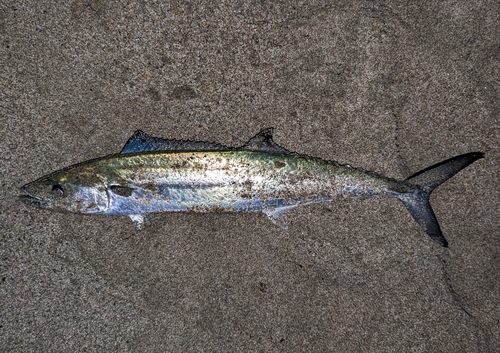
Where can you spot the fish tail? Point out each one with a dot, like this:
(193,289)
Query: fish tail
(423,183)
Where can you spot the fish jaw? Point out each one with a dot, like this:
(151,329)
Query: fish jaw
(60,196)
(41,193)
(28,198)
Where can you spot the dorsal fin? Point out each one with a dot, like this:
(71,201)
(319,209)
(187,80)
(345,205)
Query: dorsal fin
(142,142)
(263,141)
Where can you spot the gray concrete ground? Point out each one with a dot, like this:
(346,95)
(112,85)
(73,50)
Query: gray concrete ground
(388,86)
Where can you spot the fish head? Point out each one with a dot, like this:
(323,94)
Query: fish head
(61,193)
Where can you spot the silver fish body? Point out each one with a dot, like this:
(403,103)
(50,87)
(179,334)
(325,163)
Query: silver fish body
(155,175)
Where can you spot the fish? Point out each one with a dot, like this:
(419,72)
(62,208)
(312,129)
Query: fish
(153,174)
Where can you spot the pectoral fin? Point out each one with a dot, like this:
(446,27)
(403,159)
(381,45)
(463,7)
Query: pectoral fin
(124,191)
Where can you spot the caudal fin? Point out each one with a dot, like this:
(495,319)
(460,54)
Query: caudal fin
(425,181)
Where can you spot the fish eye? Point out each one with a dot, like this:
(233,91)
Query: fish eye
(57,188)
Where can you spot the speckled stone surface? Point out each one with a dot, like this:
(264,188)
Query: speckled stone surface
(386,86)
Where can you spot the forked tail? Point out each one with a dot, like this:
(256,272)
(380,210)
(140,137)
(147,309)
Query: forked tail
(424,182)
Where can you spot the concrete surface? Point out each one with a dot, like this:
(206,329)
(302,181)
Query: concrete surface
(388,86)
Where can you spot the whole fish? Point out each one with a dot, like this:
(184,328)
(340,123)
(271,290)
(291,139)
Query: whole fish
(152,175)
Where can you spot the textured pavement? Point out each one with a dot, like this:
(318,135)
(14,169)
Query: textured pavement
(382,85)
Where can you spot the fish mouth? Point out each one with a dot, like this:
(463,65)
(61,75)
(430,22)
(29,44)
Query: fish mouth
(30,199)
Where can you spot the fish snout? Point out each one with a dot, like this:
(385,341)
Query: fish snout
(30,194)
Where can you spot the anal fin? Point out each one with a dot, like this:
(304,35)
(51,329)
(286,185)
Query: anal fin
(276,215)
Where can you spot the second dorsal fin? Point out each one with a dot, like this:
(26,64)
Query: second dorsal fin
(263,141)
(142,142)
